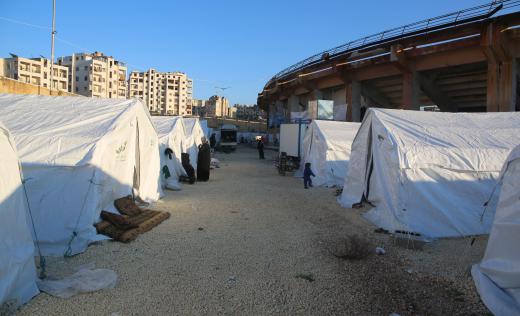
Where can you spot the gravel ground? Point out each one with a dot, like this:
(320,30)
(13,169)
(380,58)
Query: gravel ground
(252,242)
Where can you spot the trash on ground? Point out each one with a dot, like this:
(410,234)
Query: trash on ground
(353,247)
(305,276)
(380,251)
(215,163)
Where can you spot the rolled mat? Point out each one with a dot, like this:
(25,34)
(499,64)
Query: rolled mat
(144,221)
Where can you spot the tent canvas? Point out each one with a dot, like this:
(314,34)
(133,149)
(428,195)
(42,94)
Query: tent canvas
(429,172)
(497,277)
(194,134)
(326,145)
(78,155)
(205,128)
(17,269)
(170,130)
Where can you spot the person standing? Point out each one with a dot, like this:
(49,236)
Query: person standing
(307,173)
(203,161)
(260,147)
(212,141)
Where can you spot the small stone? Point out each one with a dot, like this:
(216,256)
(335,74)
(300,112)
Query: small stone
(380,250)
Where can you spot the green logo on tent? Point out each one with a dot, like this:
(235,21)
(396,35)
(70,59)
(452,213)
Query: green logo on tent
(120,152)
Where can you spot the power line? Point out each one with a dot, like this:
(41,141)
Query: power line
(25,23)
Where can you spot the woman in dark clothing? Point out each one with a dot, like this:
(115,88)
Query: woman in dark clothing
(185,159)
(204,161)
(260,147)
(212,141)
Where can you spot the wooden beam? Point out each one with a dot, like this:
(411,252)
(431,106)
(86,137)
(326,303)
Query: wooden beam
(469,55)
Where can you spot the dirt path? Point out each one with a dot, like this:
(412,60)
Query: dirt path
(253,242)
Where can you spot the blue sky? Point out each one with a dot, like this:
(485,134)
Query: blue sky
(228,43)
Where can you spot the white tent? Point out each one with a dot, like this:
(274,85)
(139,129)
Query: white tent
(78,155)
(326,146)
(205,128)
(17,270)
(194,134)
(497,277)
(171,132)
(429,172)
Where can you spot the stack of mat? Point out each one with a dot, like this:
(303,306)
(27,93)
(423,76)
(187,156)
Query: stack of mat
(133,221)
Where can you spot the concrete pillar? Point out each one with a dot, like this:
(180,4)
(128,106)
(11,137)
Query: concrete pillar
(280,110)
(316,94)
(502,85)
(294,103)
(353,100)
(411,91)
(312,104)
(338,96)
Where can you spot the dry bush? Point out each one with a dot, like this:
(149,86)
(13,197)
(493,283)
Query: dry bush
(353,247)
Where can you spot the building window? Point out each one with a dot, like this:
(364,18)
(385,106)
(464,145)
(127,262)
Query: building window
(86,78)
(77,68)
(86,68)
(77,89)
(77,78)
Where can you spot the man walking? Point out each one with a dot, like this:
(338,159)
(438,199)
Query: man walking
(260,147)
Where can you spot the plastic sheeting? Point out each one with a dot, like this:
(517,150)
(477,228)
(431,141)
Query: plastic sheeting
(497,277)
(205,128)
(429,172)
(171,132)
(17,269)
(78,155)
(194,134)
(83,281)
(326,146)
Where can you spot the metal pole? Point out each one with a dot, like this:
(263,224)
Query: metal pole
(52,39)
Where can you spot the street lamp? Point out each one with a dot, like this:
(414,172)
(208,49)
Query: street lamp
(53,33)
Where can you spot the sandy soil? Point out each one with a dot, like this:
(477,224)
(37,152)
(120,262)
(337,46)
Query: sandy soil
(253,242)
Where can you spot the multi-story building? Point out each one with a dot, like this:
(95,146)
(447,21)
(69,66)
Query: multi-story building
(232,112)
(198,107)
(36,71)
(249,112)
(217,106)
(165,93)
(96,75)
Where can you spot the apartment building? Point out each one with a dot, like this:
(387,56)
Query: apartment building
(217,106)
(249,112)
(232,112)
(198,107)
(96,75)
(165,93)
(36,71)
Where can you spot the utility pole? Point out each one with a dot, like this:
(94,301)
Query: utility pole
(52,40)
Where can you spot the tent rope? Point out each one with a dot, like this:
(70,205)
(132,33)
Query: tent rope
(68,252)
(43,264)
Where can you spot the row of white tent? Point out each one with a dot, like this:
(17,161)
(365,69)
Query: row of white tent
(76,156)
(435,174)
